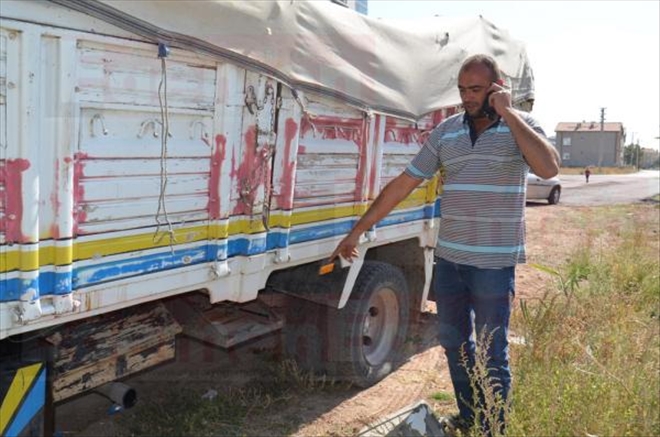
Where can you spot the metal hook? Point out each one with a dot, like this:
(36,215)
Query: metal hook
(193,124)
(92,124)
(145,124)
(151,122)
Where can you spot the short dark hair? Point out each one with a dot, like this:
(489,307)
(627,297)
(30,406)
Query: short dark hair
(486,61)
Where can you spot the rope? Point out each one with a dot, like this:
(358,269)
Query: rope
(165,130)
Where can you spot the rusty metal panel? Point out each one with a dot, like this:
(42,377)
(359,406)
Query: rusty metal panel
(97,350)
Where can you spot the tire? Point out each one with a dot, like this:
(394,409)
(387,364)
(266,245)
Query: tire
(554,196)
(372,327)
(361,342)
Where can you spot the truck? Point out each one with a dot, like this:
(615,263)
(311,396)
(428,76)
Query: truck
(187,168)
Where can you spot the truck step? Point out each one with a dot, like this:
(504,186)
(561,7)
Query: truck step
(223,325)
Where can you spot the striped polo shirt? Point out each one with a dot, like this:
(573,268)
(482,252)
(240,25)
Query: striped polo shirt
(483,204)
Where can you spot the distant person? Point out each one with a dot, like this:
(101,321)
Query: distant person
(587,173)
(486,156)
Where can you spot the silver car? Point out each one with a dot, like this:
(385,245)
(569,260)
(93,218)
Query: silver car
(543,189)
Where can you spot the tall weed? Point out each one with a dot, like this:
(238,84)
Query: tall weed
(592,356)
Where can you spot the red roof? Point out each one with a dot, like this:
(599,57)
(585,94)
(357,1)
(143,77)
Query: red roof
(588,126)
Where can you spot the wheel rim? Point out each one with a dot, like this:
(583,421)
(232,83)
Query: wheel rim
(380,326)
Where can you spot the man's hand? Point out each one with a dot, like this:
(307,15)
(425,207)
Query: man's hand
(347,248)
(499,98)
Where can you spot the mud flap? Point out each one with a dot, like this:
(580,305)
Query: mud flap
(318,282)
(416,420)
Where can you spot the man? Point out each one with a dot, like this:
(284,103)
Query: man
(486,153)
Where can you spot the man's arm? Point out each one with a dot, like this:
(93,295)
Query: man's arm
(393,193)
(538,152)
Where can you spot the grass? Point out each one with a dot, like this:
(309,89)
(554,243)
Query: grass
(591,361)
(181,411)
(442,396)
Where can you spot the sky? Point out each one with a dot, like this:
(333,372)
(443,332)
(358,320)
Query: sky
(586,55)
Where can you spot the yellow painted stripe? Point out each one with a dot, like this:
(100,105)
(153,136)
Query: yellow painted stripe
(315,215)
(19,260)
(246,226)
(19,387)
(28,260)
(132,243)
(31,260)
(8,260)
(279,220)
(53,254)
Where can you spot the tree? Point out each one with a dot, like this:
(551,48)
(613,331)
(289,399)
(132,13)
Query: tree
(632,155)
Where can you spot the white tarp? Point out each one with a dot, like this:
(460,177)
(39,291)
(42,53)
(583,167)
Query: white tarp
(403,68)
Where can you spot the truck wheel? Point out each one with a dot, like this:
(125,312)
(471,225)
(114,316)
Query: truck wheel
(553,198)
(371,328)
(361,342)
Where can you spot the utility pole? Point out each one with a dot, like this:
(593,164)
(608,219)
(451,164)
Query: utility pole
(636,150)
(602,134)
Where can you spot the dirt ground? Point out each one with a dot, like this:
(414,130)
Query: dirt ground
(346,412)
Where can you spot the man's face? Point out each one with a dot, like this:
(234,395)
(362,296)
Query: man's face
(473,85)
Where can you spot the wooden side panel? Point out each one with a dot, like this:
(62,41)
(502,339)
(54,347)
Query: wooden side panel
(105,348)
(402,140)
(330,152)
(132,74)
(127,174)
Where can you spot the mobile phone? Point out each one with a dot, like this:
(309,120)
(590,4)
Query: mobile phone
(487,109)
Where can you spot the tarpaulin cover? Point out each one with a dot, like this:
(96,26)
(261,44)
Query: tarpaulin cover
(406,68)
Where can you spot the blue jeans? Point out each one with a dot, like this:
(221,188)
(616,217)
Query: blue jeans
(470,298)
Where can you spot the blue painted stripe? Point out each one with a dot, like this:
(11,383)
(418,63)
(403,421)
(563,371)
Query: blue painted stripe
(32,404)
(398,218)
(485,188)
(99,273)
(480,249)
(321,231)
(277,239)
(455,134)
(11,289)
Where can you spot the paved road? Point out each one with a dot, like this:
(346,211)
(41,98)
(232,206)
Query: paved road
(609,189)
